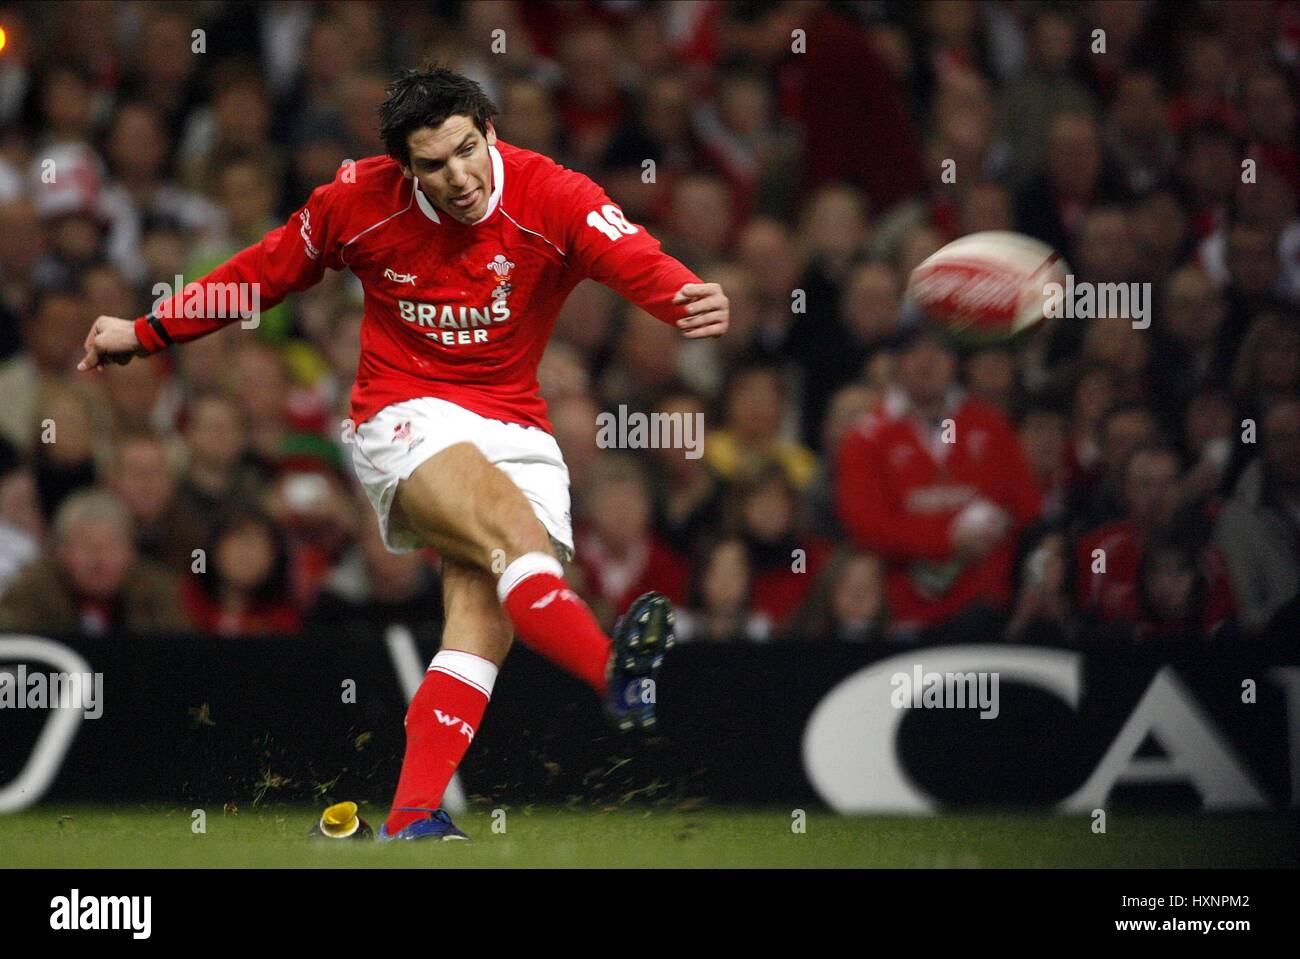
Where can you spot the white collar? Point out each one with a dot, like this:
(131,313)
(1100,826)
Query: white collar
(498,181)
(897,403)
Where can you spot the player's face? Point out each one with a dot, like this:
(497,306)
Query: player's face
(454,167)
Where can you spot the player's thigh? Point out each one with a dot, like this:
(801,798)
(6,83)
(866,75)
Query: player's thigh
(467,509)
(475,621)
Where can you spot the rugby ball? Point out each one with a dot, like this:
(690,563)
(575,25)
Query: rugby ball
(987,287)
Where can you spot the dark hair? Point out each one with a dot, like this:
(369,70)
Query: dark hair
(11,461)
(1204,132)
(233,73)
(750,12)
(1185,543)
(1042,403)
(769,473)
(275,588)
(426,98)
(63,289)
(750,363)
(740,68)
(706,548)
(813,620)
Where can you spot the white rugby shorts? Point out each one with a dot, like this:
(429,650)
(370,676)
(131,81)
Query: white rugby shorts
(391,445)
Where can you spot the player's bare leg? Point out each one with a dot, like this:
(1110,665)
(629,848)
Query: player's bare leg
(498,569)
(466,508)
(445,713)
(475,623)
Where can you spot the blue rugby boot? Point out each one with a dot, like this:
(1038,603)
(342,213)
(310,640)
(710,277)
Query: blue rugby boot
(436,826)
(641,639)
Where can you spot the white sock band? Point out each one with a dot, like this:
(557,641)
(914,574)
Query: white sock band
(469,669)
(530,564)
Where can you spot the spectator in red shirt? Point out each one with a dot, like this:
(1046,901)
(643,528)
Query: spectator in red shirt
(592,102)
(1097,495)
(1111,559)
(1108,557)
(1182,590)
(934,482)
(786,561)
(720,606)
(618,552)
(242,588)
(1205,68)
(843,58)
(847,605)
(314,513)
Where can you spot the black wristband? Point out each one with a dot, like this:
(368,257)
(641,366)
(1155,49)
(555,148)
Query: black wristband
(160,330)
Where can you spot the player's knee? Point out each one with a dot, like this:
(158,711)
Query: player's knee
(519,534)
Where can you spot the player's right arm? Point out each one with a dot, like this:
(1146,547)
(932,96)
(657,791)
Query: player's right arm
(603,245)
(288,259)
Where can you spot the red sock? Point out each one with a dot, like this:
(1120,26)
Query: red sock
(552,619)
(441,722)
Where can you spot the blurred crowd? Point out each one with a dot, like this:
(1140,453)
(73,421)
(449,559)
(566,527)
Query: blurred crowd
(1107,480)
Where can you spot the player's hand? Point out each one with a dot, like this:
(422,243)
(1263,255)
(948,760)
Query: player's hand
(708,312)
(111,340)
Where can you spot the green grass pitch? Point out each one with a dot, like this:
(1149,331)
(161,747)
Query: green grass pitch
(276,836)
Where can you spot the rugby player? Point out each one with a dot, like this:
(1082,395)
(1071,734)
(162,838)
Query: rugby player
(466,248)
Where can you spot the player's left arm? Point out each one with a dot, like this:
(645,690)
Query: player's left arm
(602,244)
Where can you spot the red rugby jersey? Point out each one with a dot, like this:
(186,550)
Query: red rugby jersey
(898,500)
(460,312)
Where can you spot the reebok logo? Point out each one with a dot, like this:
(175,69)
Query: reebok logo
(552,596)
(449,720)
(400,277)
